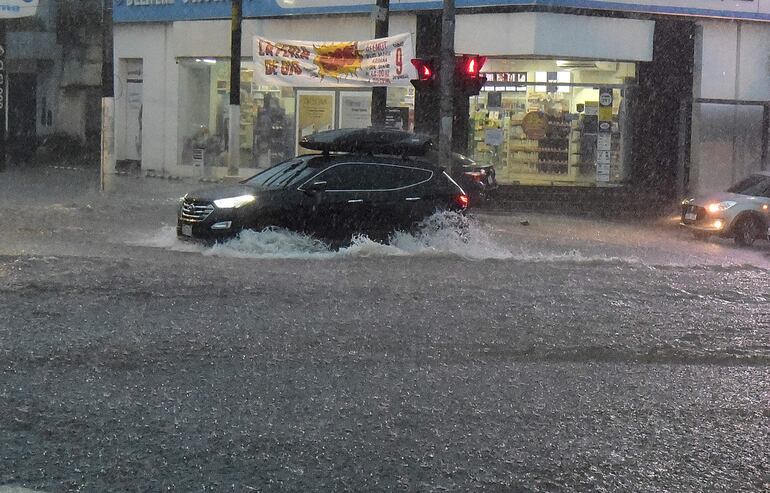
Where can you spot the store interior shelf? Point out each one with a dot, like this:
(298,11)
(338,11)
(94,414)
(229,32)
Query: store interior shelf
(538,149)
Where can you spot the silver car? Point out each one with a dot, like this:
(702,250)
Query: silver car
(740,213)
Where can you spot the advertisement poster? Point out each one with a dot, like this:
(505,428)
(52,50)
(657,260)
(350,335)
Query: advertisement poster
(493,136)
(397,117)
(374,63)
(604,136)
(315,113)
(355,109)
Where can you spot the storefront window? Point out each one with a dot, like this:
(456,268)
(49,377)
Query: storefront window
(272,118)
(552,122)
(267,116)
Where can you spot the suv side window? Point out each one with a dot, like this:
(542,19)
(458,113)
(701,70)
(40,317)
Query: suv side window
(344,177)
(370,176)
(394,176)
(766,191)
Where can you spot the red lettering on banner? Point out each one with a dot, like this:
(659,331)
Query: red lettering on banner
(290,68)
(266,48)
(271,67)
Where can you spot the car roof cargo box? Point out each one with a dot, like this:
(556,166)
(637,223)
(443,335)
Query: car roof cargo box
(369,140)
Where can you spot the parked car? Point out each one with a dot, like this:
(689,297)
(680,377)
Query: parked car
(361,182)
(740,213)
(478,180)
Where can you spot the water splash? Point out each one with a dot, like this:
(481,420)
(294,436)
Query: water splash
(442,234)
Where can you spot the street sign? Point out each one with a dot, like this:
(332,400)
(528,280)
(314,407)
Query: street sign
(12,9)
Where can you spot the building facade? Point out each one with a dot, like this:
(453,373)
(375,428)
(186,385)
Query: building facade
(662,96)
(54,74)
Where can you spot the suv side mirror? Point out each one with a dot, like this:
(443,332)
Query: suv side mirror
(315,187)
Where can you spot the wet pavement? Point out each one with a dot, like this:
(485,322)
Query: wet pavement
(568,354)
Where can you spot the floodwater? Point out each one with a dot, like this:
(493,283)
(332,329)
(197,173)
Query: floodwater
(521,352)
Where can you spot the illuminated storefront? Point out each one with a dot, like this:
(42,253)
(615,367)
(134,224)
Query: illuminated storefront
(591,97)
(539,121)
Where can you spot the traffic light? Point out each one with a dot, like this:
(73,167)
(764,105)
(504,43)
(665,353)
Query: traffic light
(426,73)
(469,75)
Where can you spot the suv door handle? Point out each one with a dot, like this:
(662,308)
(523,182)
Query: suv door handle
(355,201)
(412,199)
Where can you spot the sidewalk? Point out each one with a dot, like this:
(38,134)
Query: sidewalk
(72,185)
(45,185)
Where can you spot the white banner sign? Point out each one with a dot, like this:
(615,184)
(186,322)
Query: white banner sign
(376,62)
(11,9)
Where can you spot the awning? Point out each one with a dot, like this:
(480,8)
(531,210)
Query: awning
(548,35)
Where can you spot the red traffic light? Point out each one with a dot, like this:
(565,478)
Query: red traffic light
(470,65)
(468,73)
(424,69)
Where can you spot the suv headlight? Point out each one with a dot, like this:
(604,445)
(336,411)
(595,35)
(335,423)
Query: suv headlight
(721,206)
(234,202)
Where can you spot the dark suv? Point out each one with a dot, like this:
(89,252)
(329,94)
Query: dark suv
(330,195)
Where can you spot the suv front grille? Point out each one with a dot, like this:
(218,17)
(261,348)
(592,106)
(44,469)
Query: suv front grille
(196,212)
(700,213)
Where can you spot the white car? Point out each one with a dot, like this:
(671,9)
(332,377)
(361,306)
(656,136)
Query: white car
(742,212)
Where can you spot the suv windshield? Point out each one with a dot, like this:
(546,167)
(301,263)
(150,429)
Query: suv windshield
(283,175)
(753,185)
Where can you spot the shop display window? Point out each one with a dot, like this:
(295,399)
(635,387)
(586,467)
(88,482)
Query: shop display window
(272,118)
(553,122)
(267,116)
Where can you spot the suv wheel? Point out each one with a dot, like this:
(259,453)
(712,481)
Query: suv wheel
(746,231)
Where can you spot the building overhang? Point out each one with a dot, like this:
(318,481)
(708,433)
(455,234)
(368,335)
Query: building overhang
(533,34)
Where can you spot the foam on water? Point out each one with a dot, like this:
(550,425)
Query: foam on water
(443,234)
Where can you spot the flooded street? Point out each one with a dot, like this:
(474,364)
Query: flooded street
(526,352)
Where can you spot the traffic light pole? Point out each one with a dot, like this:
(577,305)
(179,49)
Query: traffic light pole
(380,94)
(234,128)
(3,94)
(107,163)
(447,82)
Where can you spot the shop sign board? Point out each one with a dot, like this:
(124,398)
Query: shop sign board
(517,81)
(397,117)
(379,62)
(178,10)
(605,105)
(604,135)
(13,9)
